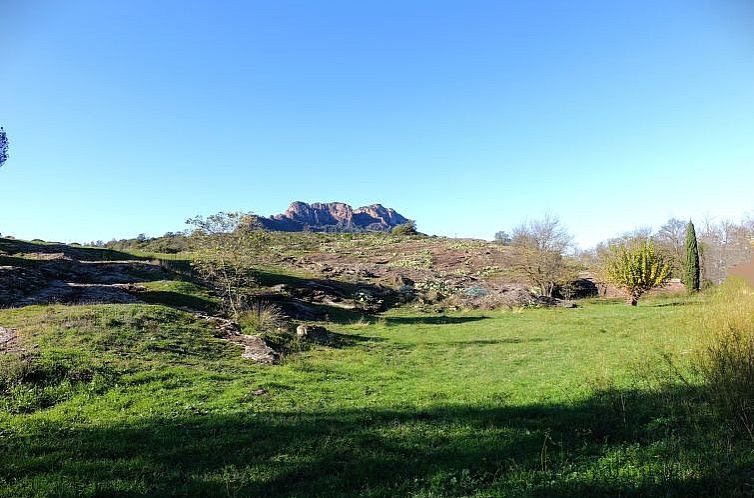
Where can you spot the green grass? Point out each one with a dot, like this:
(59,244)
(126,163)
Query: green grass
(537,403)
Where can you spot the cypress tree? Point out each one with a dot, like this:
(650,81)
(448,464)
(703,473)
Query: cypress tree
(691,276)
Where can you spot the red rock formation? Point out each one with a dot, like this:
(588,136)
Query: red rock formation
(333,216)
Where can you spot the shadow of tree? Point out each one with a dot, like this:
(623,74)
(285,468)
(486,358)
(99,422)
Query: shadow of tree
(178,300)
(676,303)
(617,443)
(432,320)
(345,287)
(488,342)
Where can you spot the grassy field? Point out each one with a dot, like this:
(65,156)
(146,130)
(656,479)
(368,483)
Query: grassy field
(141,400)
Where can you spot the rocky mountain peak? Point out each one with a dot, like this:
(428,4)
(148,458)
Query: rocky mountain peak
(333,217)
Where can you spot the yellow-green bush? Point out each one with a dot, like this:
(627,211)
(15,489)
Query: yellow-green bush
(726,353)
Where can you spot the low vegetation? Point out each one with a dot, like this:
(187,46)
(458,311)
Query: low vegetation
(725,358)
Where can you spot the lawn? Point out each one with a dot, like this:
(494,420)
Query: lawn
(531,403)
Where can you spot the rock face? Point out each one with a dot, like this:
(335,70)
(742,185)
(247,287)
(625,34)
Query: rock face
(333,217)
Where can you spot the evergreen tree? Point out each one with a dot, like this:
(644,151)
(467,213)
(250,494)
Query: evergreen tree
(691,274)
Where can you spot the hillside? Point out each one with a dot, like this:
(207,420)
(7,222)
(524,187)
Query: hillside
(293,269)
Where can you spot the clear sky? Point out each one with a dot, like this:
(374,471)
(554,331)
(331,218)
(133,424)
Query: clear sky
(469,116)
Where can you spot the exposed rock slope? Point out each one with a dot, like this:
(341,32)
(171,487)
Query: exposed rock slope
(333,217)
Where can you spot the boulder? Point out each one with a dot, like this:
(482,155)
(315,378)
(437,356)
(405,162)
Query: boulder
(314,333)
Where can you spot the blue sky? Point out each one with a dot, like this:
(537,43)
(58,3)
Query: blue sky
(469,116)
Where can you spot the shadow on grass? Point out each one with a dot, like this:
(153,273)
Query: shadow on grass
(333,340)
(490,342)
(178,300)
(432,320)
(345,288)
(627,443)
(676,303)
(345,340)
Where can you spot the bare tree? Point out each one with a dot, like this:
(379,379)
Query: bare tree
(539,254)
(723,245)
(546,234)
(673,233)
(671,239)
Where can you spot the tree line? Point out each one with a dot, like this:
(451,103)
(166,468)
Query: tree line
(543,256)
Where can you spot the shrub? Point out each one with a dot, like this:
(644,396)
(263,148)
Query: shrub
(262,318)
(408,228)
(725,357)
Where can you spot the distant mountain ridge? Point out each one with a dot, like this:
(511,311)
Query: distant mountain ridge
(333,217)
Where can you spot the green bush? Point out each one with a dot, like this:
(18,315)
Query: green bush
(408,228)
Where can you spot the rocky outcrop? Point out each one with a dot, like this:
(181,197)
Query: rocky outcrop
(255,347)
(56,278)
(333,217)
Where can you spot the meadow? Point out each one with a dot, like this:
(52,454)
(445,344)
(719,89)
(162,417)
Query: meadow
(142,400)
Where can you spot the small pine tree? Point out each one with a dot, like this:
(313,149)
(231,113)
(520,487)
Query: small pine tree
(691,273)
